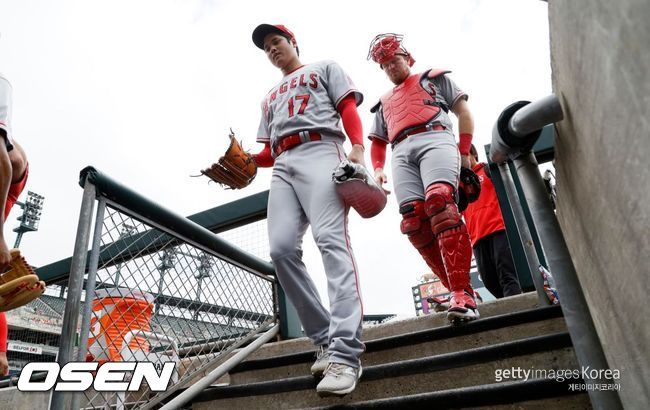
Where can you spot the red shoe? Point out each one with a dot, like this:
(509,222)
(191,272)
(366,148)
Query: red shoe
(462,308)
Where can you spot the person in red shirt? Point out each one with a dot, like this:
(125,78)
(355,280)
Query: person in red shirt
(487,232)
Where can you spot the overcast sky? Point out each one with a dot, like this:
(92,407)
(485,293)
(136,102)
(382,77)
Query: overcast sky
(146,92)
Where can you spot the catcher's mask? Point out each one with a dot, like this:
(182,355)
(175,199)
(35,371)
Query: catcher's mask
(263,30)
(386,46)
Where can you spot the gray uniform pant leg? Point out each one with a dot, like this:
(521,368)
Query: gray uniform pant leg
(287,224)
(307,169)
(421,160)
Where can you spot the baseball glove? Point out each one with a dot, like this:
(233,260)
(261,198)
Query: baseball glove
(20,284)
(235,169)
(469,188)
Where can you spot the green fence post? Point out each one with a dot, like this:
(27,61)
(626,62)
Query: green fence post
(290,327)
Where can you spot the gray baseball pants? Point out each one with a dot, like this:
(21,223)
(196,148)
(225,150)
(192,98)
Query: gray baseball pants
(303,194)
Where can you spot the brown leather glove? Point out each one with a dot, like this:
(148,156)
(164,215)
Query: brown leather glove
(235,169)
(20,284)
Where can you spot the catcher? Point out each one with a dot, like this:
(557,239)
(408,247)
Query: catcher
(413,118)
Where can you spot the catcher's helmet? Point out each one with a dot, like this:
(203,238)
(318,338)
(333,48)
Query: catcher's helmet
(385,46)
(358,189)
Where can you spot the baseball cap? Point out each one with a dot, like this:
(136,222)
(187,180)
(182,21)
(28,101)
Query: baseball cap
(264,30)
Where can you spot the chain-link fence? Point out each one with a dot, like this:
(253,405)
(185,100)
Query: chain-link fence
(154,294)
(252,237)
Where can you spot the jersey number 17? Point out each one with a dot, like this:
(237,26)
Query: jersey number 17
(304,98)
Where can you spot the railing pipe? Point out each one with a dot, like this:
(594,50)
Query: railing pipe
(75,282)
(535,116)
(525,236)
(211,377)
(515,132)
(131,201)
(589,351)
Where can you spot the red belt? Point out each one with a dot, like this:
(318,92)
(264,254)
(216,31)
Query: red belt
(290,141)
(417,130)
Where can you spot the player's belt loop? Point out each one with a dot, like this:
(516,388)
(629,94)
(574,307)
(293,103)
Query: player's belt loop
(304,136)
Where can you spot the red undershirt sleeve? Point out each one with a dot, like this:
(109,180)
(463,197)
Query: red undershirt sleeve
(347,109)
(378,153)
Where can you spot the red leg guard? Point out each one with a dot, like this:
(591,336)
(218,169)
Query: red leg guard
(453,239)
(415,224)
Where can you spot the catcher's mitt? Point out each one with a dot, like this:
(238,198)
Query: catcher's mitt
(469,188)
(20,284)
(235,169)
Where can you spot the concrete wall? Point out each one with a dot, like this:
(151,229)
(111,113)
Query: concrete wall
(600,55)
(11,398)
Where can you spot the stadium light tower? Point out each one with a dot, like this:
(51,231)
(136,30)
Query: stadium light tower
(127,230)
(167,262)
(204,271)
(32,209)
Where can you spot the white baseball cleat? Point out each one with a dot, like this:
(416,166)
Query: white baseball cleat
(339,380)
(322,360)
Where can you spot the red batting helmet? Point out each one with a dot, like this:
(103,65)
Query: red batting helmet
(385,46)
(263,30)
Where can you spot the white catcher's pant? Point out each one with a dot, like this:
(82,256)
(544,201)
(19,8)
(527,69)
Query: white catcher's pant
(303,194)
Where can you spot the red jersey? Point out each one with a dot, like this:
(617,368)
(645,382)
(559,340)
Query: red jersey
(483,216)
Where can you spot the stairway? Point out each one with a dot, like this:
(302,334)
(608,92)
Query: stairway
(420,363)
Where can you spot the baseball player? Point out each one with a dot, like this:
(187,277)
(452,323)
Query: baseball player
(413,118)
(13,176)
(303,141)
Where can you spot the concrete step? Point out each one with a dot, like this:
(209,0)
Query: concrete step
(423,343)
(469,368)
(525,301)
(530,394)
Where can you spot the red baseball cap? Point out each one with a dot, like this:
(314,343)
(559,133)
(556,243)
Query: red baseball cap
(263,30)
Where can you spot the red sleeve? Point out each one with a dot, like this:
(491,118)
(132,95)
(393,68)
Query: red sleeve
(378,153)
(264,158)
(347,108)
(3,332)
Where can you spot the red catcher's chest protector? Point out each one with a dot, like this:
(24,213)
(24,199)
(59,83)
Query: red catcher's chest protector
(409,105)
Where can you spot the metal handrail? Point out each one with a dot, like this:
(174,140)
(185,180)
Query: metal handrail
(211,377)
(218,219)
(107,191)
(131,202)
(535,116)
(515,132)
